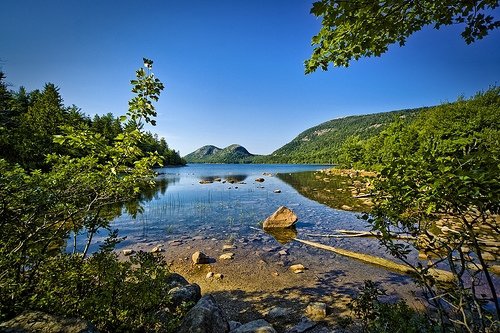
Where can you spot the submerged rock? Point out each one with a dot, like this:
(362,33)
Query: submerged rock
(283,217)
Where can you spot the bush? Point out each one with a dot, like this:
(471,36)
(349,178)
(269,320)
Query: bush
(116,296)
(376,316)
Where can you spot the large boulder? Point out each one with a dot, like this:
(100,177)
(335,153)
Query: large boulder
(40,322)
(205,317)
(175,280)
(281,218)
(190,293)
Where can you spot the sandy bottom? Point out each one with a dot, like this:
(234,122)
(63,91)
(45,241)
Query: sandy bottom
(258,278)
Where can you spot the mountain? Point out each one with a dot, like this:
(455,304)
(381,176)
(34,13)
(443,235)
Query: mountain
(321,143)
(212,154)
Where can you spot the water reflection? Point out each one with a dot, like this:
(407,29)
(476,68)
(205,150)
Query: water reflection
(331,190)
(224,178)
(282,235)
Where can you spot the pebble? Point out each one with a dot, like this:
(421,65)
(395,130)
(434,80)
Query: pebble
(228,247)
(210,275)
(128,252)
(175,243)
(270,249)
(156,249)
(297,268)
(226,256)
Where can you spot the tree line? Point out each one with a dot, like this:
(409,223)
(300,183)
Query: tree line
(30,120)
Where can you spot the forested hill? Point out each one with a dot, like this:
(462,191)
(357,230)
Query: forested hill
(212,154)
(322,143)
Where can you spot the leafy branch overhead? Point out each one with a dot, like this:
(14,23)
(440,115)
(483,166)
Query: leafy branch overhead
(359,28)
(147,88)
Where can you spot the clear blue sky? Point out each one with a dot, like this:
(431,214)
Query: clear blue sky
(233,70)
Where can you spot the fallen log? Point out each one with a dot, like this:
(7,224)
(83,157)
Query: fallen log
(438,274)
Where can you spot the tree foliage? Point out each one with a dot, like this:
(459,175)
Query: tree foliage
(439,182)
(29,120)
(84,178)
(354,29)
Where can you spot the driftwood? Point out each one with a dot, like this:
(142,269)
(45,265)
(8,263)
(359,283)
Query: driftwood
(364,196)
(438,274)
(356,233)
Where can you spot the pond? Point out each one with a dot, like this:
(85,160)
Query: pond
(225,200)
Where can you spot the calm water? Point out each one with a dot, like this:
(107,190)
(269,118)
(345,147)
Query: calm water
(184,207)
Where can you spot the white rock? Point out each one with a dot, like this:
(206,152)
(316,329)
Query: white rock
(128,252)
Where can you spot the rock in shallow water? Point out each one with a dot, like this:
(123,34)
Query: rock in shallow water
(283,217)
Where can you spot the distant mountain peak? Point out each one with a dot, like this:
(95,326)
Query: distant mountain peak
(234,153)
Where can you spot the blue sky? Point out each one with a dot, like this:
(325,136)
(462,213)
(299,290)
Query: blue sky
(233,70)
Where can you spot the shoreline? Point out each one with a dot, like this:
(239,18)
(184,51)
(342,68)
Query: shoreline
(258,278)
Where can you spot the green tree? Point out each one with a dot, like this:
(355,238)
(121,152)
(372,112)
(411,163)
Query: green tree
(107,125)
(358,28)
(38,125)
(445,191)
(40,210)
